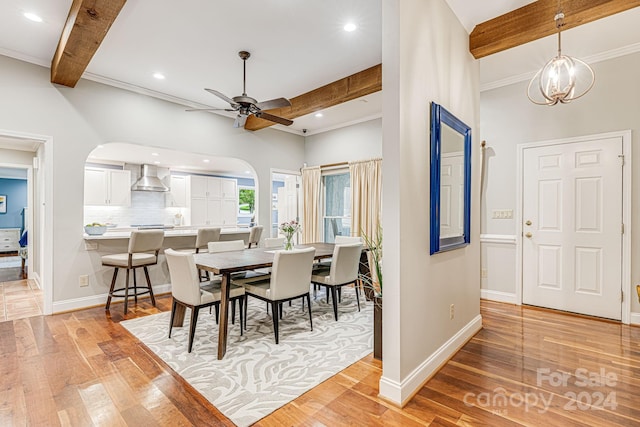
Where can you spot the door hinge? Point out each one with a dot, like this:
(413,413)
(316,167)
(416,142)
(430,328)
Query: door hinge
(621,157)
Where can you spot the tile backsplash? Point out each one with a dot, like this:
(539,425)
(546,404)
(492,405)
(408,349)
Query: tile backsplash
(147,207)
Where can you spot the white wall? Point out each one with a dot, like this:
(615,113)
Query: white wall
(509,119)
(361,141)
(90,114)
(425,58)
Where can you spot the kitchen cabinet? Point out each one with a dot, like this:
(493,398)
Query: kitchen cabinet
(177,196)
(213,201)
(107,187)
(9,239)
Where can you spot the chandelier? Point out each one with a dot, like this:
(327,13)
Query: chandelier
(563,78)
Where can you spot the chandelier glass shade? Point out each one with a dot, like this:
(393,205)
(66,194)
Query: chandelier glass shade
(562,79)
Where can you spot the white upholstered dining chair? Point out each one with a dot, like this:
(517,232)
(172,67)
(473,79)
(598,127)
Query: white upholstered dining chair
(343,271)
(188,291)
(289,280)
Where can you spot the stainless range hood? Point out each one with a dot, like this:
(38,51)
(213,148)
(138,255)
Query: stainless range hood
(149,180)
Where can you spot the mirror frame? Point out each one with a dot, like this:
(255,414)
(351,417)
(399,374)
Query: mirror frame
(440,116)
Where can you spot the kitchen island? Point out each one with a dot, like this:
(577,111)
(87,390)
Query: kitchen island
(173,232)
(116,240)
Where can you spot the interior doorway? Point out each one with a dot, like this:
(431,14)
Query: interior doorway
(572,225)
(28,152)
(285,200)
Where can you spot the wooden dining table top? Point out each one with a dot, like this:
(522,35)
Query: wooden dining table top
(250,259)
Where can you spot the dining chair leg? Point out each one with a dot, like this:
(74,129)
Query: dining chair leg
(146,274)
(113,285)
(335,301)
(274,316)
(217,312)
(246,306)
(357,297)
(241,304)
(173,314)
(233,312)
(126,293)
(339,294)
(280,310)
(309,304)
(192,326)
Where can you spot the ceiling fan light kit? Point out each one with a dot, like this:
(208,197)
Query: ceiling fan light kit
(563,78)
(245,105)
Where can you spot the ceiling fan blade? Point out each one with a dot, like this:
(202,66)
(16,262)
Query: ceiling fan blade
(210,109)
(222,96)
(240,121)
(272,118)
(274,103)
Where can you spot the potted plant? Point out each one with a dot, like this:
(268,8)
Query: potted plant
(371,278)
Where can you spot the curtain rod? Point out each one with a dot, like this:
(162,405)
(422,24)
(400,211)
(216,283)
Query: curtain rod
(332,165)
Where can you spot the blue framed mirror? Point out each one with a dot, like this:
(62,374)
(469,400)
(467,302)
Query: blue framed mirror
(450,181)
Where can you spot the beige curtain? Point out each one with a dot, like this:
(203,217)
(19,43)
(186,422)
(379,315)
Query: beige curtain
(311,180)
(366,197)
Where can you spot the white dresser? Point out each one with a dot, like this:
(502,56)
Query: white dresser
(9,239)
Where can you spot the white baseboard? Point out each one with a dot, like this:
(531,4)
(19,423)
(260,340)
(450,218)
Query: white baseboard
(95,300)
(401,393)
(634,319)
(498,296)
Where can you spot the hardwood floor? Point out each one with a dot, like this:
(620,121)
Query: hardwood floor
(82,368)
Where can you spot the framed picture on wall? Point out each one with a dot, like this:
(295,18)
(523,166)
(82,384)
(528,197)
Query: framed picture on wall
(3,203)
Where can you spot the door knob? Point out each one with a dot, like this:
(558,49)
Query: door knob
(528,235)
(528,222)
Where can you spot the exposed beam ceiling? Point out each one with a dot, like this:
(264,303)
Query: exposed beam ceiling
(354,86)
(535,21)
(87,25)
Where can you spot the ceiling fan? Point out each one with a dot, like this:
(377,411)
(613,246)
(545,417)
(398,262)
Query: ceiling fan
(245,105)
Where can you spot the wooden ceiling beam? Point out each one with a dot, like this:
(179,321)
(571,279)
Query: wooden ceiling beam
(354,86)
(535,21)
(87,24)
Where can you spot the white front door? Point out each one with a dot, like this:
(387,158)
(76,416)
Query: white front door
(572,227)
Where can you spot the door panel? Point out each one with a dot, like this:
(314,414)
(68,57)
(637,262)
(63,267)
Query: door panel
(572,240)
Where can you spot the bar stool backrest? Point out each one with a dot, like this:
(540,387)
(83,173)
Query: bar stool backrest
(146,241)
(206,235)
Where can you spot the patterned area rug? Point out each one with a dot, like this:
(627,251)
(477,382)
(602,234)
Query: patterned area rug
(257,376)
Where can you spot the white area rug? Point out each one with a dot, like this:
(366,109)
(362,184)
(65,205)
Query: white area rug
(257,376)
(10,262)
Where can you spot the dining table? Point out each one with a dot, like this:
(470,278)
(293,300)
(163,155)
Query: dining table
(227,263)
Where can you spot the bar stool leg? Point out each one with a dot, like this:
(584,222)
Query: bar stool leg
(113,283)
(153,298)
(135,286)
(126,293)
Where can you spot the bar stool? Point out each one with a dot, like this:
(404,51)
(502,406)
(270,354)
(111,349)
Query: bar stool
(206,235)
(254,236)
(144,246)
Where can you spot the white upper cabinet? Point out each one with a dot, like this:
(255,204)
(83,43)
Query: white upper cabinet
(107,187)
(177,197)
(213,201)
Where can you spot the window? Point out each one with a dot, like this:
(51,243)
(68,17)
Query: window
(246,202)
(337,206)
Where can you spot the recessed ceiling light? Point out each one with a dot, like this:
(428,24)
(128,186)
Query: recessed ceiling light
(155,154)
(349,27)
(319,114)
(100,146)
(157,162)
(247,171)
(158,76)
(32,17)
(206,160)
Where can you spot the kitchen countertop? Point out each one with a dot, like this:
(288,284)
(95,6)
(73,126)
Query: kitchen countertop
(125,232)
